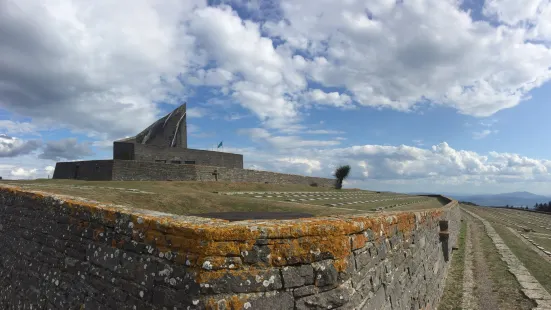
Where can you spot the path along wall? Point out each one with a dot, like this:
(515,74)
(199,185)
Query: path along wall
(64,253)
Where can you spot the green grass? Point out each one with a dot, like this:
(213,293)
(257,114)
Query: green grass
(452,296)
(178,197)
(505,286)
(538,267)
(545,242)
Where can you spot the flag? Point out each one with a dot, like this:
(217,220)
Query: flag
(220,144)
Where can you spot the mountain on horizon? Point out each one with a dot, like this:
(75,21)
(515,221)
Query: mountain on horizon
(521,198)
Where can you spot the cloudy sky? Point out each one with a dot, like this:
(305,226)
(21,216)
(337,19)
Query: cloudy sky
(416,95)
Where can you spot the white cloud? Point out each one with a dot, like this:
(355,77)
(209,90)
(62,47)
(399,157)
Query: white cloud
(103,144)
(258,75)
(477,135)
(323,132)
(68,149)
(49,169)
(103,65)
(397,55)
(511,11)
(284,142)
(14,172)
(402,54)
(11,127)
(307,165)
(196,112)
(11,147)
(27,166)
(331,99)
(406,165)
(21,173)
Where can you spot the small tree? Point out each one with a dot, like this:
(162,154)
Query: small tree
(341,173)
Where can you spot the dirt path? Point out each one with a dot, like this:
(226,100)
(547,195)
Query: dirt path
(468,299)
(484,288)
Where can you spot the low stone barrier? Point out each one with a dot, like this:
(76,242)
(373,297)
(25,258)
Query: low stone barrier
(63,252)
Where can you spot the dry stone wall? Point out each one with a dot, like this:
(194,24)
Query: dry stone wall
(130,170)
(200,157)
(92,170)
(63,253)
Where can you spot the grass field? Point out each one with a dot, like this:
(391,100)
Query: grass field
(489,283)
(203,197)
(531,257)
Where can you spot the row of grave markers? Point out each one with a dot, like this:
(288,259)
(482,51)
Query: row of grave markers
(368,201)
(535,244)
(303,193)
(131,190)
(536,222)
(528,221)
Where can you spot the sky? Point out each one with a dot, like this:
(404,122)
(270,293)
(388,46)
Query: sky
(414,95)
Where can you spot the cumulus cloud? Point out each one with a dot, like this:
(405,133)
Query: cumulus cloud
(296,163)
(284,142)
(438,164)
(255,74)
(289,56)
(22,173)
(332,99)
(11,147)
(98,64)
(68,149)
(384,61)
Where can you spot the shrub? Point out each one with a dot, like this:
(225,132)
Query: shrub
(341,173)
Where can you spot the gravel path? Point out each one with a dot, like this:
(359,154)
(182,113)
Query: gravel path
(486,299)
(468,300)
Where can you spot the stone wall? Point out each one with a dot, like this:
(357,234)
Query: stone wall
(92,170)
(152,153)
(131,170)
(205,173)
(128,170)
(58,252)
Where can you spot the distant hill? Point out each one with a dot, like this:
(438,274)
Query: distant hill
(491,200)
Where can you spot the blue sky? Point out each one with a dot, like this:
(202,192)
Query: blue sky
(414,95)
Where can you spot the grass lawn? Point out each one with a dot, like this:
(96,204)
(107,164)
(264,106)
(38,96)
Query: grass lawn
(505,286)
(538,267)
(180,197)
(545,242)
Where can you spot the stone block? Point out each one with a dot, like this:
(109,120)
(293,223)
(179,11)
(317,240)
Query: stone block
(294,276)
(325,273)
(331,299)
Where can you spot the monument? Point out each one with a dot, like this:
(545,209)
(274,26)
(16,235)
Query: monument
(160,153)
